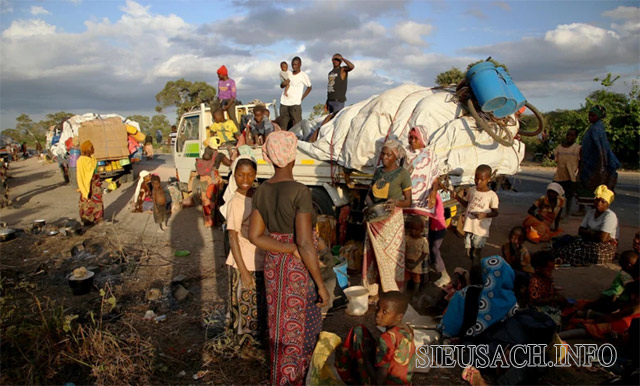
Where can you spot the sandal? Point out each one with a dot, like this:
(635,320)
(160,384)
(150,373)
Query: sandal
(468,373)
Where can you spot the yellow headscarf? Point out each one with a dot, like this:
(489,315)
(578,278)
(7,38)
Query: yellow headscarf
(604,193)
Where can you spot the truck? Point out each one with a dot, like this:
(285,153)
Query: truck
(339,165)
(113,138)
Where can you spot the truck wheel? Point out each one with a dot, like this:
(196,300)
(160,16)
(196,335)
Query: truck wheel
(322,203)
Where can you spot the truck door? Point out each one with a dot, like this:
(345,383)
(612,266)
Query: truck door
(187,146)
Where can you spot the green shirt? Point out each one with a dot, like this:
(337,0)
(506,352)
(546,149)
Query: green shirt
(386,185)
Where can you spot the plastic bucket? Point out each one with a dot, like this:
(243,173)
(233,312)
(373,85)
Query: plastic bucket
(487,86)
(358,300)
(518,99)
(341,274)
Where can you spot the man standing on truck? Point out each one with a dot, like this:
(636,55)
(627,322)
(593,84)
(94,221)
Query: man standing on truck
(226,94)
(290,104)
(337,86)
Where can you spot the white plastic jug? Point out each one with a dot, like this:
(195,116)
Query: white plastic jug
(358,300)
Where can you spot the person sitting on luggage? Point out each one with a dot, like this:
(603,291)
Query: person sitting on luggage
(259,127)
(225,129)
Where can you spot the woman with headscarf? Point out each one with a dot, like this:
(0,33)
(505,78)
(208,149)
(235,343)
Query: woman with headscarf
(424,168)
(89,185)
(598,164)
(598,234)
(247,305)
(383,263)
(544,215)
(294,287)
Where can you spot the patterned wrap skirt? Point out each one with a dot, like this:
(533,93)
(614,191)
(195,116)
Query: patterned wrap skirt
(384,254)
(581,252)
(247,308)
(294,319)
(92,208)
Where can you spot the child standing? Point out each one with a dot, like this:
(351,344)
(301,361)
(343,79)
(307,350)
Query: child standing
(284,76)
(225,129)
(437,231)
(247,306)
(482,206)
(161,202)
(567,156)
(361,361)
(416,251)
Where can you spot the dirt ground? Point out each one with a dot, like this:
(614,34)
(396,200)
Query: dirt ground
(131,256)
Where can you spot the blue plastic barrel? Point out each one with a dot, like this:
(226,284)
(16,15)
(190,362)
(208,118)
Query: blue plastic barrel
(516,100)
(341,274)
(487,86)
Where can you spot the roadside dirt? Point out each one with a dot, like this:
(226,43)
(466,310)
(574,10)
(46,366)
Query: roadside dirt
(128,252)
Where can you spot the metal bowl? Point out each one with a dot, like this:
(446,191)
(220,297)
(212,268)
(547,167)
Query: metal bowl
(7,234)
(377,212)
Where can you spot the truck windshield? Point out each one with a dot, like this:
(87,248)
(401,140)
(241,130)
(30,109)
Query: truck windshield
(188,131)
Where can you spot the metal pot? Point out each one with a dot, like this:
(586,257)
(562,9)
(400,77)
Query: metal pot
(377,212)
(7,234)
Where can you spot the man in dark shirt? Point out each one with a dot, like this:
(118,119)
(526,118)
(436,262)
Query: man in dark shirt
(337,86)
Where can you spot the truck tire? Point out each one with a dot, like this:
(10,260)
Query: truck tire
(322,203)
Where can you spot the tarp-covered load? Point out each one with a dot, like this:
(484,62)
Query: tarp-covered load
(354,137)
(107,132)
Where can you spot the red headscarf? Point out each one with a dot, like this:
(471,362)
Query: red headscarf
(223,71)
(418,133)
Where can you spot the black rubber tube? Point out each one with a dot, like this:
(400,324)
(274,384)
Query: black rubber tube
(504,141)
(540,119)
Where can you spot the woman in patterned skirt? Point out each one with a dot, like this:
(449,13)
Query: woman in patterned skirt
(294,287)
(89,186)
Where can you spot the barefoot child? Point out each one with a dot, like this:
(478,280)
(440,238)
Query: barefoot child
(225,129)
(360,360)
(161,202)
(284,76)
(482,206)
(416,251)
(247,306)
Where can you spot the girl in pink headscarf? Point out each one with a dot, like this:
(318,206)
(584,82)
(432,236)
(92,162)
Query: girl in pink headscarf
(422,163)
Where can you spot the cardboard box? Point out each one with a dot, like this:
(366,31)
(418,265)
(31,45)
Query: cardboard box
(109,138)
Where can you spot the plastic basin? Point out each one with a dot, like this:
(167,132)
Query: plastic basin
(358,300)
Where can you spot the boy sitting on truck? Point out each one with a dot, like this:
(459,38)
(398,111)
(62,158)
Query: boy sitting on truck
(225,129)
(259,127)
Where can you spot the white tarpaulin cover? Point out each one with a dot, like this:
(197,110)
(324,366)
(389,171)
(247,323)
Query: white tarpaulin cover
(354,137)
(71,126)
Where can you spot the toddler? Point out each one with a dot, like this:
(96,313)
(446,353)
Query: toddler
(515,253)
(284,76)
(361,361)
(482,206)
(161,203)
(416,251)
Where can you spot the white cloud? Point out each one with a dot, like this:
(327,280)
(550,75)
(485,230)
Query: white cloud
(411,32)
(27,28)
(38,10)
(623,13)
(580,38)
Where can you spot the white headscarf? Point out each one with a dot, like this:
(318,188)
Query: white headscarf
(142,175)
(556,187)
(232,187)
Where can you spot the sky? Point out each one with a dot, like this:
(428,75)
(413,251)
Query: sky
(112,56)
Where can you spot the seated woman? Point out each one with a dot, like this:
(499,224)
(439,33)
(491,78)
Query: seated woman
(384,242)
(598,233)
(544,214)
(610,326)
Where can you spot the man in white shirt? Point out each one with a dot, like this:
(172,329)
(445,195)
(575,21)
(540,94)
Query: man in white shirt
(290,104)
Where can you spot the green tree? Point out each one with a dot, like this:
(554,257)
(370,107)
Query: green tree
(143,121)
(495,63)
(160,122)
(318,110)
(14,134)
(449,77)
(185,95)
(622,121)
